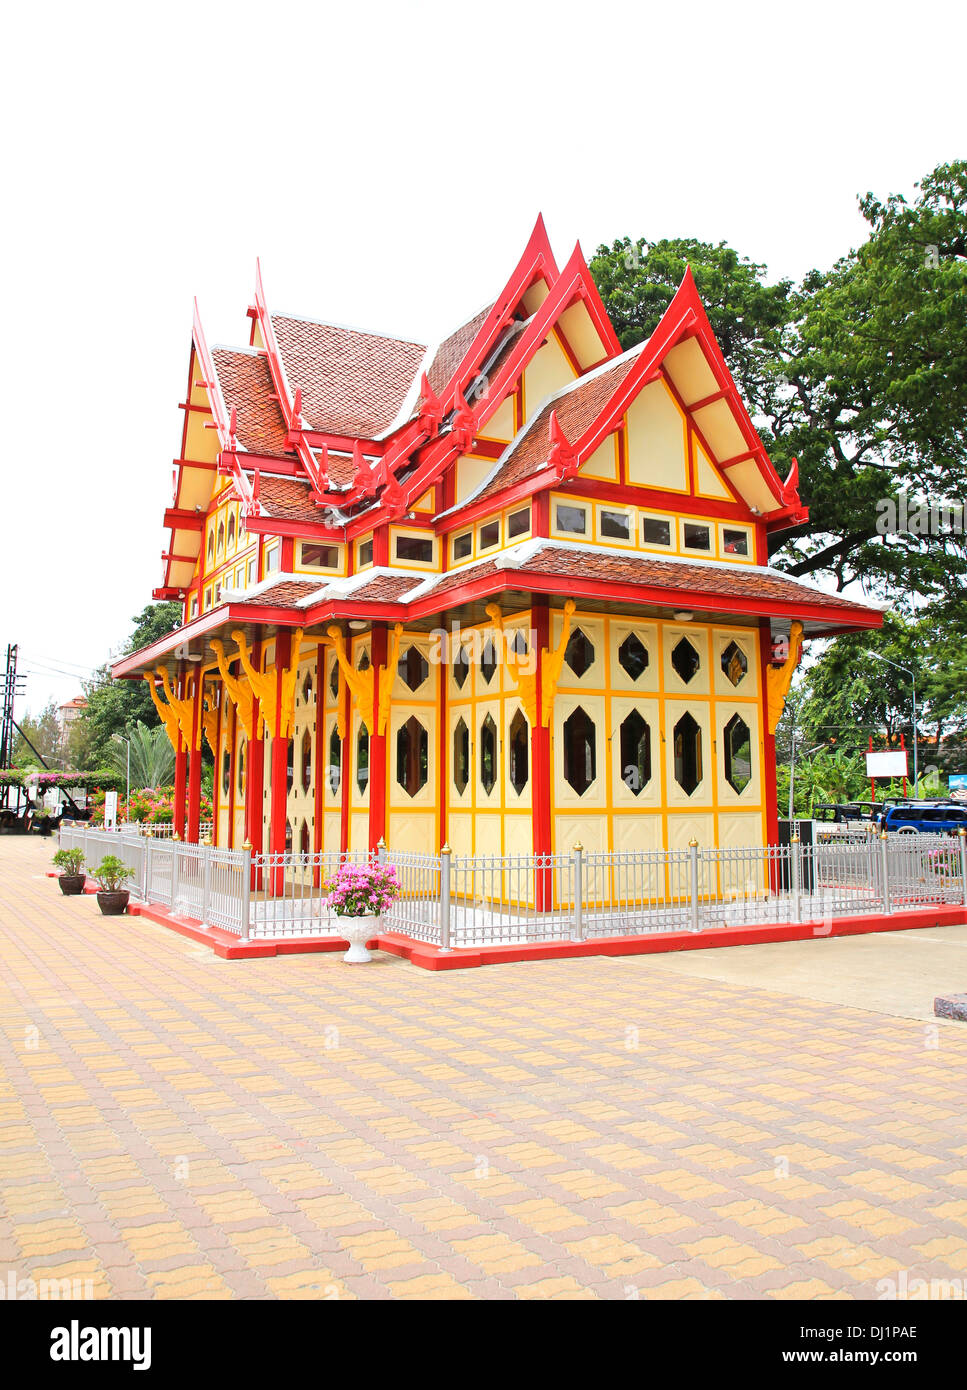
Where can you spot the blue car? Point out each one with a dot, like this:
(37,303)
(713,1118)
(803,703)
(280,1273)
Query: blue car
(932,819)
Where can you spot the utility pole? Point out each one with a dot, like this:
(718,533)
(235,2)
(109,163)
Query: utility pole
(11,687)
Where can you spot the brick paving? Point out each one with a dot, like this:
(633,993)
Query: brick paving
(178,1126)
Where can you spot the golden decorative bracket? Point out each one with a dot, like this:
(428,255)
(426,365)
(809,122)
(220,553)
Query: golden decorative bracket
(184,712)
(552,664)
(166,714)
(779,678)
(239,690)
(361,683)
(524,681)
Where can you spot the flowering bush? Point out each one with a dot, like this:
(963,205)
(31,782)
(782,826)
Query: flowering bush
(361,890)
(149,805)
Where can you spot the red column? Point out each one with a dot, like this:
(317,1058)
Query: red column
(280,763)
(181,770)
(319,759)
(377,743)
(443,744)
(348,757)
(768,740)
(541,763)
(254,775)
(194,765)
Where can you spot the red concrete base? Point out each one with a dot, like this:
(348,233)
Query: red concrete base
(428,957)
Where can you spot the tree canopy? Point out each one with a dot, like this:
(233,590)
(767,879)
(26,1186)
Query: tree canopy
(860,372)
(115,705)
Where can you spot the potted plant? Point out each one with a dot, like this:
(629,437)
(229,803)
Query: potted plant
(70,878)
(359,895)
(111,874)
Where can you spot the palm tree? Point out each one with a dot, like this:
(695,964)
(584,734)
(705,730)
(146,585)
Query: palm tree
(152,756)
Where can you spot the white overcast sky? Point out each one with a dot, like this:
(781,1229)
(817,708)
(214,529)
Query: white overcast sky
(386,161)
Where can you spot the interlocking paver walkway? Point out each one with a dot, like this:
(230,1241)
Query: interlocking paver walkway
(177,1126)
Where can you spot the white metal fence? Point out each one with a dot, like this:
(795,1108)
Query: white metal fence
(459,902)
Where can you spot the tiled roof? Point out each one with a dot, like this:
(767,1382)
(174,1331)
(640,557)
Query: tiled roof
(246,384)
(289,499)
(352,383)
(285,594)
(730,581)
(452,350)
(577,409)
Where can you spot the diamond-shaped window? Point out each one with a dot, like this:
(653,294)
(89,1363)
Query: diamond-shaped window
(488,661)
(635,745)
(518,760)
(579,653)
(363,663)
(580,751)
(738,754)
(412,755)
(688,753)
(413,668)
(735,663)
(488,754)
(685,660)
(633,656)
(461,756)
(334,680)
(461,667)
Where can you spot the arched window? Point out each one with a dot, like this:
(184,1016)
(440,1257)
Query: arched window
(519,749)
(220,543)
(412,756)
(580,751)
(488,754)
(362,759)
(304,838)
(306,760)
(231,532)
(334,771)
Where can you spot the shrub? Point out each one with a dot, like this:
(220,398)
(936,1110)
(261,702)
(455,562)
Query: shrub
(69,861)
(360,889)
(111,874)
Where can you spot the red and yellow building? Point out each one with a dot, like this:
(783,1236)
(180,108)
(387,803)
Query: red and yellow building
(508,591)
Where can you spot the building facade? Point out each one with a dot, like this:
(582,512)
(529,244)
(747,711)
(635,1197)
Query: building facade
(507,591)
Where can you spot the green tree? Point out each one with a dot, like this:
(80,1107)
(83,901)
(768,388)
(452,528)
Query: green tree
(860,373)
(113,705)
(44,732)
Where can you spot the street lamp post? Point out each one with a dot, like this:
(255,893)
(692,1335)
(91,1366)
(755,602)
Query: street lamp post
(119,738)
(913,680)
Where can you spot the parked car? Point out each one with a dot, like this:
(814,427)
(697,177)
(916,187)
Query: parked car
(924,817)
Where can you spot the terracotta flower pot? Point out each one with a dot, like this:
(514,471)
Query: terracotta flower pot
(71,884)
(113,904)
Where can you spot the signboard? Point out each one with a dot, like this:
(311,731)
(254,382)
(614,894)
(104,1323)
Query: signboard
(957,782)
(886,764)
(110,810)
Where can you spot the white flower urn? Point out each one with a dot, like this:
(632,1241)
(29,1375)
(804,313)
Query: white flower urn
(357,931)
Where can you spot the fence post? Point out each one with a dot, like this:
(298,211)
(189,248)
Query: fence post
(146,867)
(885,868)
(962,836)
(246,887)
(577,930)
(694,924)
(794,874)
(207,881)
(445,854)
(175,867)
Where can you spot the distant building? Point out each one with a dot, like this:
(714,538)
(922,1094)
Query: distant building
(67,713)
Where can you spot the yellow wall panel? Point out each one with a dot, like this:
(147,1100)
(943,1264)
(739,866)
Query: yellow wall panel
(657,441)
